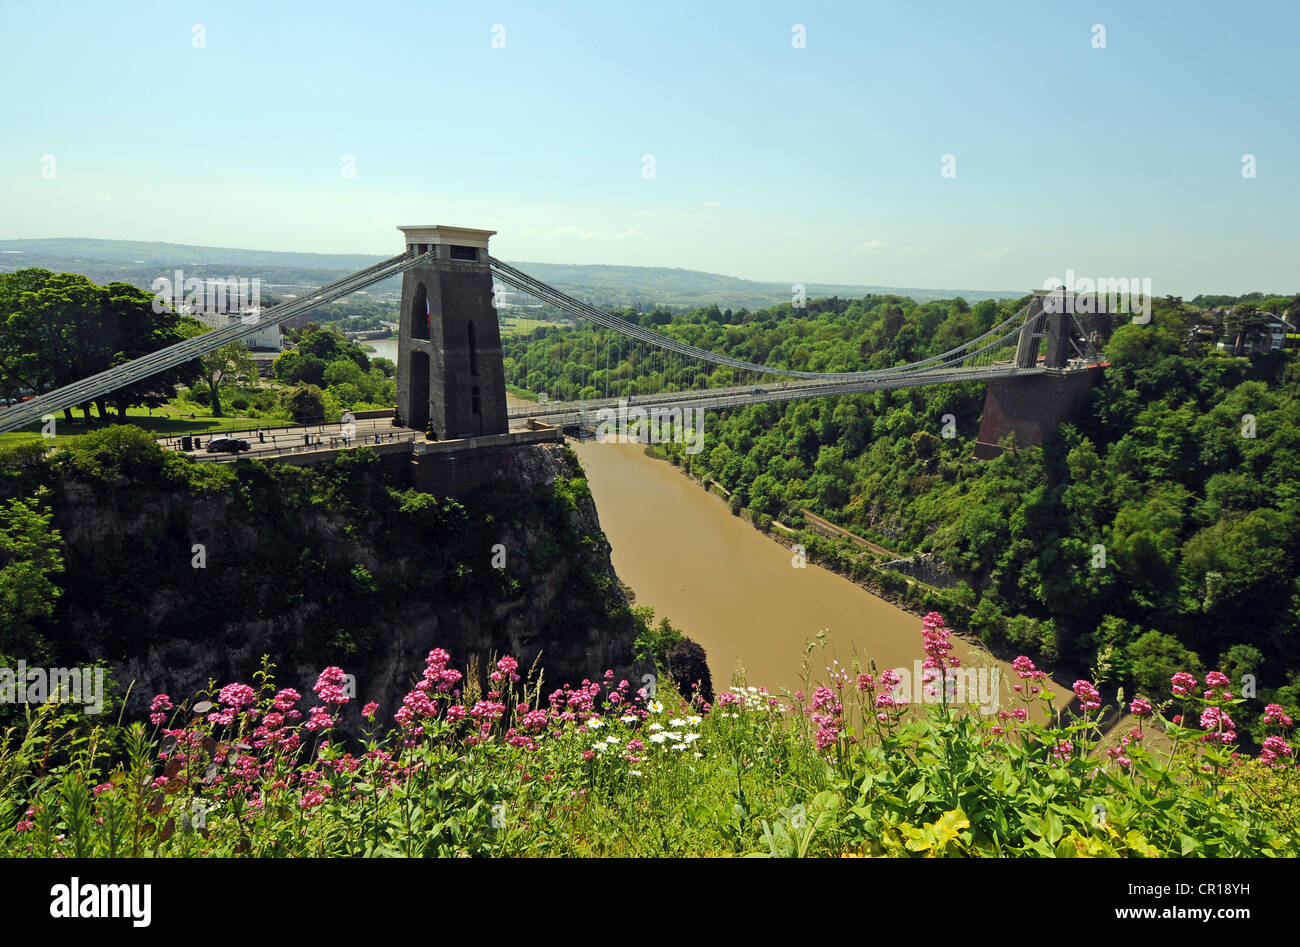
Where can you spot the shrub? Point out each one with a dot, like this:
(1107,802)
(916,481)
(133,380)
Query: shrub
(689,667)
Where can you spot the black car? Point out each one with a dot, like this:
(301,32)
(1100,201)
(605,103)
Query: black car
(227,445)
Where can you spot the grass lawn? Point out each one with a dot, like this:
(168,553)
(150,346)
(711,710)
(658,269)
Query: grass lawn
(169,420)
(519,325)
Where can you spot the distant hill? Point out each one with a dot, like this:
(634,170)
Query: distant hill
(644,287)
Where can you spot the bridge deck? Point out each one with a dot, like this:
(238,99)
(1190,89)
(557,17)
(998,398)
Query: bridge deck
(573,412)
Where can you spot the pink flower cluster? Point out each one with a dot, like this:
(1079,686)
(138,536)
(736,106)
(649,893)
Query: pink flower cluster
(233,698)
(437,679)
(828,715)
(329,686)
(158,707)
(1273,750)
(1089,696)
(936,645)
(1217,680)
(1219,726)
(1184,684)
(506,667)
(1026,671)
(1274,714)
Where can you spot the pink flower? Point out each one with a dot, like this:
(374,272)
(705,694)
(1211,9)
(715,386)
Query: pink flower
(509,666)
(312,799)
(320,720)
(1088,695)
(1026,670)
(1217,679)
(368,711)
(935,643)
(237,696)
(1063,749)
(1274,714)
(1184,684)
(866,682)
(1274,747)
(1140,707)
(1217,721)
(329,686)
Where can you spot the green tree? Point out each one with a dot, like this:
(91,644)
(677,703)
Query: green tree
(306,404)
(30,554)
(230,364)
(1155,658)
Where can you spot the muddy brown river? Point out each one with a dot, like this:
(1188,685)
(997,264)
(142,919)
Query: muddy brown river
(732,589)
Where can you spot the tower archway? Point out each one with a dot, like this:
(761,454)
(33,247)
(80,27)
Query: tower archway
(420,313)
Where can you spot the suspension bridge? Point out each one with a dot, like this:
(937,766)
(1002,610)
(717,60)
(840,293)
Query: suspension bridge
(451,379)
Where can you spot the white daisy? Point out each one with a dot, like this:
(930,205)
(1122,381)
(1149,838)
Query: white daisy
(595,723)
(658,737)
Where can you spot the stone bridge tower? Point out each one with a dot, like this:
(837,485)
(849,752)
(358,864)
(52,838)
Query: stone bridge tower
(449,370)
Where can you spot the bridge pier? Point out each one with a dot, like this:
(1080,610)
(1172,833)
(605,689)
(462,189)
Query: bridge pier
(1031,407)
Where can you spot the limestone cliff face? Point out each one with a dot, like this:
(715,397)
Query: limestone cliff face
(315,568)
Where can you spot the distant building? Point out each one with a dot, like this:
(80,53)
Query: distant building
(266,339)
(1273,335)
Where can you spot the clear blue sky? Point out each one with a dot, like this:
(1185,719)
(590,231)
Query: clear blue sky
(819,164)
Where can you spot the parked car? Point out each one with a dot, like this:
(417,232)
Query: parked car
(757,391)
(227,445)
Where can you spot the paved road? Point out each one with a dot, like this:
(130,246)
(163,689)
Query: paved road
(282,440)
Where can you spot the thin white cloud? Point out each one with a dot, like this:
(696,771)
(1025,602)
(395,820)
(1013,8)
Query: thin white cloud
(869,245)
(713,203)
